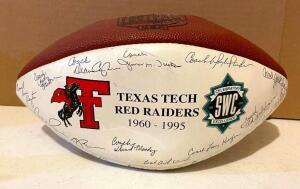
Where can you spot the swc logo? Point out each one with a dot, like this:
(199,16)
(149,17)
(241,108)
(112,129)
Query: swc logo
(225,104)
(84,103)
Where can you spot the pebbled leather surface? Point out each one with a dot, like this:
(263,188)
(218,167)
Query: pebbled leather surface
(194,31)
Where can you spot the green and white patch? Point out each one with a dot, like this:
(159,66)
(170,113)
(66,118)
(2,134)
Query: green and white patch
(225,104)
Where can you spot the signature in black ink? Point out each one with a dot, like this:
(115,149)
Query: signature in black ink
(157,63)
(102,67)
(212,146)
(190,153)
(277,79)
(129,146)
(128,64)
(74,61)
(167,64)
(231,139)
(43,80)
(258,114)
(53,122)
(282,95)
(208,148)
(219,60)
(28,95)
(131,52)
(83,143)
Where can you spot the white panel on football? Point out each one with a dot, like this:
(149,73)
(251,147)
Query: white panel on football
(155,105)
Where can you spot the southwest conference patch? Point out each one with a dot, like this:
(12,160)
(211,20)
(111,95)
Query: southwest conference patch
(225,104)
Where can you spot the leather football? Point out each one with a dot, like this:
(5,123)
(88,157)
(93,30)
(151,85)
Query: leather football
(152,91)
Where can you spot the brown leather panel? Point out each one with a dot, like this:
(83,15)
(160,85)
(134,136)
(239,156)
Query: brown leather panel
(189,30)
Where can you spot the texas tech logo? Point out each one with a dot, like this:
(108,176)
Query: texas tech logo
(225,104)
(82,104)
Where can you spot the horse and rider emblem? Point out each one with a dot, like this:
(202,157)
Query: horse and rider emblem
(69,96)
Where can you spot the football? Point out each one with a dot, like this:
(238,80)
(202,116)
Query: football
(152,91)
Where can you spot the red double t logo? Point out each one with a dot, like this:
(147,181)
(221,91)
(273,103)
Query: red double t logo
(84,103)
